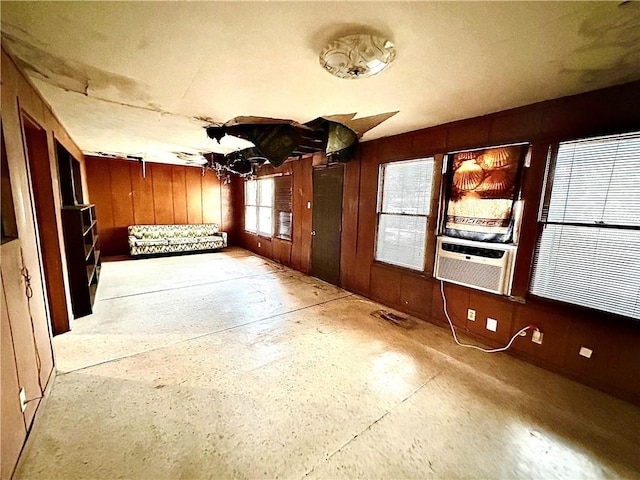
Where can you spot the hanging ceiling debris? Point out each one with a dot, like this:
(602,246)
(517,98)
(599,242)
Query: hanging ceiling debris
(274,140)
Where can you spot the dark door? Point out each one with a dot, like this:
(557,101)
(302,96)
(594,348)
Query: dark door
(327,224)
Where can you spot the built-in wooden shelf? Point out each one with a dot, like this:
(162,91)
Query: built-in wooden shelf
(83,256)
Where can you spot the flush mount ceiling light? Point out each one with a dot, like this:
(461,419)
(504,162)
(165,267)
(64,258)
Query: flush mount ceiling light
(357,56)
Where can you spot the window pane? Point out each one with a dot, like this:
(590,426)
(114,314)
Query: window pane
(250,219)
(250,192)
(265,192)
(407,187)
(283,225)
(589,266)
(265,223)
(401,240)
(597,181)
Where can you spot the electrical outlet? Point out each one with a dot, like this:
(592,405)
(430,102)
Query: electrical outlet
(586,352)
(471,314)
(536,337)
(492,324)
(308,205)
(259,244)
(23,399)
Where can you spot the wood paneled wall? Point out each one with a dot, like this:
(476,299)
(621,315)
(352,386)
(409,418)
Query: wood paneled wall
(566,328)
(26,323)
(169,194)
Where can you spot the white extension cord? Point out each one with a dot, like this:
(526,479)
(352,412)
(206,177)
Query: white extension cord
(455,337)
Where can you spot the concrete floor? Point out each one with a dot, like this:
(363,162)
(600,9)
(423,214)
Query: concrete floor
(225,365)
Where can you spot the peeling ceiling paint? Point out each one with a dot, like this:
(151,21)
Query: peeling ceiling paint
(145,78)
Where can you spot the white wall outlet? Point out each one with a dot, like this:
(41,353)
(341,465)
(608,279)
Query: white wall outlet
(536,337)
(471,314)
(586,352)
(23,399)
(259,244)
(492,324)
(308,205)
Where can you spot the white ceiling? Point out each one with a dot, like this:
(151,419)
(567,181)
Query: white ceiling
(144,78)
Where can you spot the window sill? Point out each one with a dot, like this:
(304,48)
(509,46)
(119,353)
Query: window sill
(283,239)
(573,310)
(391,266)
(259,235)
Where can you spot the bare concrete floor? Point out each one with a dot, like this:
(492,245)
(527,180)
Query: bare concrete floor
(225,365)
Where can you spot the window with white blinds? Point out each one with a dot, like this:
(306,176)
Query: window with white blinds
(589,250)
(404,203)
(258,206)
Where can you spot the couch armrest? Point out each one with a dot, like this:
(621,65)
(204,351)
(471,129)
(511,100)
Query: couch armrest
(224,237)
(132,240)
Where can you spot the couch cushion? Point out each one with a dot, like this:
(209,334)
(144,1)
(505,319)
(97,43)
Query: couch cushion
(168,231)
(212,238)
(182,240)
(146,231)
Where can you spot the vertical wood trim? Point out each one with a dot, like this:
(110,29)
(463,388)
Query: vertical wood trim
(530,229)
(149,173)
(122,202)
(186,194)
(432,225)
(222,213)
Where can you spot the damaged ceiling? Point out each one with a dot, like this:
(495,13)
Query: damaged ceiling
(146,78)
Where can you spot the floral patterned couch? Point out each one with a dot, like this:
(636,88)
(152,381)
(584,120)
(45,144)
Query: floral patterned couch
(152,239)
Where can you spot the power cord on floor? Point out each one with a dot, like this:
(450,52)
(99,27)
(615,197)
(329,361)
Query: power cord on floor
(486,350)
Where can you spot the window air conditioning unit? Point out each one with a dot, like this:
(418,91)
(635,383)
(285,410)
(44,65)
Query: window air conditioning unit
(485,266)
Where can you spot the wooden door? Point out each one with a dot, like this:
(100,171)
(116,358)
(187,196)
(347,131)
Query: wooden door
(327,223)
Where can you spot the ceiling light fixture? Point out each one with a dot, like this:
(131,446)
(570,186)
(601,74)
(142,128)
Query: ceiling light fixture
(357,56)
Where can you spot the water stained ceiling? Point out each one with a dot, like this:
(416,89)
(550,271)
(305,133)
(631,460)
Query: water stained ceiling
(146,78)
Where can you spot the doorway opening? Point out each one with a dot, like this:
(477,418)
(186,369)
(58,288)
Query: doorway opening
(41,180)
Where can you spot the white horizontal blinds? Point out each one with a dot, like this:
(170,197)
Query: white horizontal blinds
(404,198)
(283,207)
(401,240)
(404,187)
(589,250)
(597,181)
(590,266)
(250,209)
(265,206)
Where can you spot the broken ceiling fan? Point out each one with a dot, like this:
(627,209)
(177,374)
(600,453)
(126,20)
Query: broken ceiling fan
(275,140)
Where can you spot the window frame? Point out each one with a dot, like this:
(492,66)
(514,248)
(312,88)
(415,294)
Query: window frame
(430,218)
(541,219)
(258,205)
